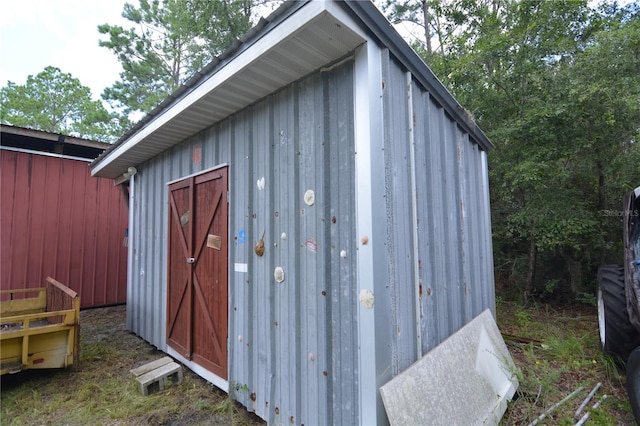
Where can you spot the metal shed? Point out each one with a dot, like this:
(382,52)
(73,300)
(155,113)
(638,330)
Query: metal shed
(322,131)
(56,220)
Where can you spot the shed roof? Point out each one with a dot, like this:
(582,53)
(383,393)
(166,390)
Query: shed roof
(275,53)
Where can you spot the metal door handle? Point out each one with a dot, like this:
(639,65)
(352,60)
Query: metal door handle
(191,260)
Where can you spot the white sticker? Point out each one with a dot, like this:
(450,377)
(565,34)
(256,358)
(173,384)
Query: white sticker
(241,267)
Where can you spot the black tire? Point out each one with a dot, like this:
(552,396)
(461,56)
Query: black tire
(617,336)
(633,382)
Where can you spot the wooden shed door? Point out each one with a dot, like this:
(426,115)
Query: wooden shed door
(198,260)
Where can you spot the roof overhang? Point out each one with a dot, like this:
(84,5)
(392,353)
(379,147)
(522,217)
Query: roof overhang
(321,33)
(52,137)
(14,138)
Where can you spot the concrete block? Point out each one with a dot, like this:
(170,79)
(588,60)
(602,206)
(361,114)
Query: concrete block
(155,376)
(466,380)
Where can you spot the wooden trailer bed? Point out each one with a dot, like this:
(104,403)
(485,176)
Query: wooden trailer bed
(40,331)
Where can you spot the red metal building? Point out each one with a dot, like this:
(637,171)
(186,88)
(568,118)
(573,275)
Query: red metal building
(56,220)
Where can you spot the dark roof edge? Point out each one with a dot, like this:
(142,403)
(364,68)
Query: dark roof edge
(382,29)
(52,137)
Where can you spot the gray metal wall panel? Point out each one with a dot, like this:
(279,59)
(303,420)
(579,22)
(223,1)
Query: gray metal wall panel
(453,261)
(400,218)
(291,344)
(339,178)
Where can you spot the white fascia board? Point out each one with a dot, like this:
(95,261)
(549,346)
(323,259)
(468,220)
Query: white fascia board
(253,53)
(338,12)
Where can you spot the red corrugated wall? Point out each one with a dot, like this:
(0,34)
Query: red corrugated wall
(56,220)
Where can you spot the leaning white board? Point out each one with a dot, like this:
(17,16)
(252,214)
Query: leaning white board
(466,380)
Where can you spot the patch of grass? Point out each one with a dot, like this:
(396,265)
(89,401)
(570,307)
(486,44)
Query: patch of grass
(539,378)
(565,348)
(103,392)
(85,398)
(557,352)
(202,405)
(522,317)
(225,406)
(96,351)
(611,370)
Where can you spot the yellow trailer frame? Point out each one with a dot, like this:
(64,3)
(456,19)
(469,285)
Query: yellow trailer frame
(41,331)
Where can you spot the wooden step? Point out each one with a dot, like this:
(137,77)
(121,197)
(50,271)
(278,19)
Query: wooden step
(154,376)
(151,366)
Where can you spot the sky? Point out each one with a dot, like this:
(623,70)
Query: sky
(62,33)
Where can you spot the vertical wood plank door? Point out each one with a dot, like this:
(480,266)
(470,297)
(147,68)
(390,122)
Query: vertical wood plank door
(197,293)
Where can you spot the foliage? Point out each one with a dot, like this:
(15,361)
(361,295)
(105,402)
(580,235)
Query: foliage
(555,86)
(57,102)
(414,12)
(172,40)
(557,352)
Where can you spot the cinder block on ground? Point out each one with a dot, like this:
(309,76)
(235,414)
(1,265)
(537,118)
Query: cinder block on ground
(465,380)
(154,376)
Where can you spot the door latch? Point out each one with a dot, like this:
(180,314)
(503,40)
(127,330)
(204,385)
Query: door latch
(191,260)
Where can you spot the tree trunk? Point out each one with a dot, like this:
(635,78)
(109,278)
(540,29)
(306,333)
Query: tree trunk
(602,198)
(427,25)
(531,272)
(575,273)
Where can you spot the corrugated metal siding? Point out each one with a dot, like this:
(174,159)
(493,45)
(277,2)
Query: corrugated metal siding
(451,250)
(58,221)
(292,344)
